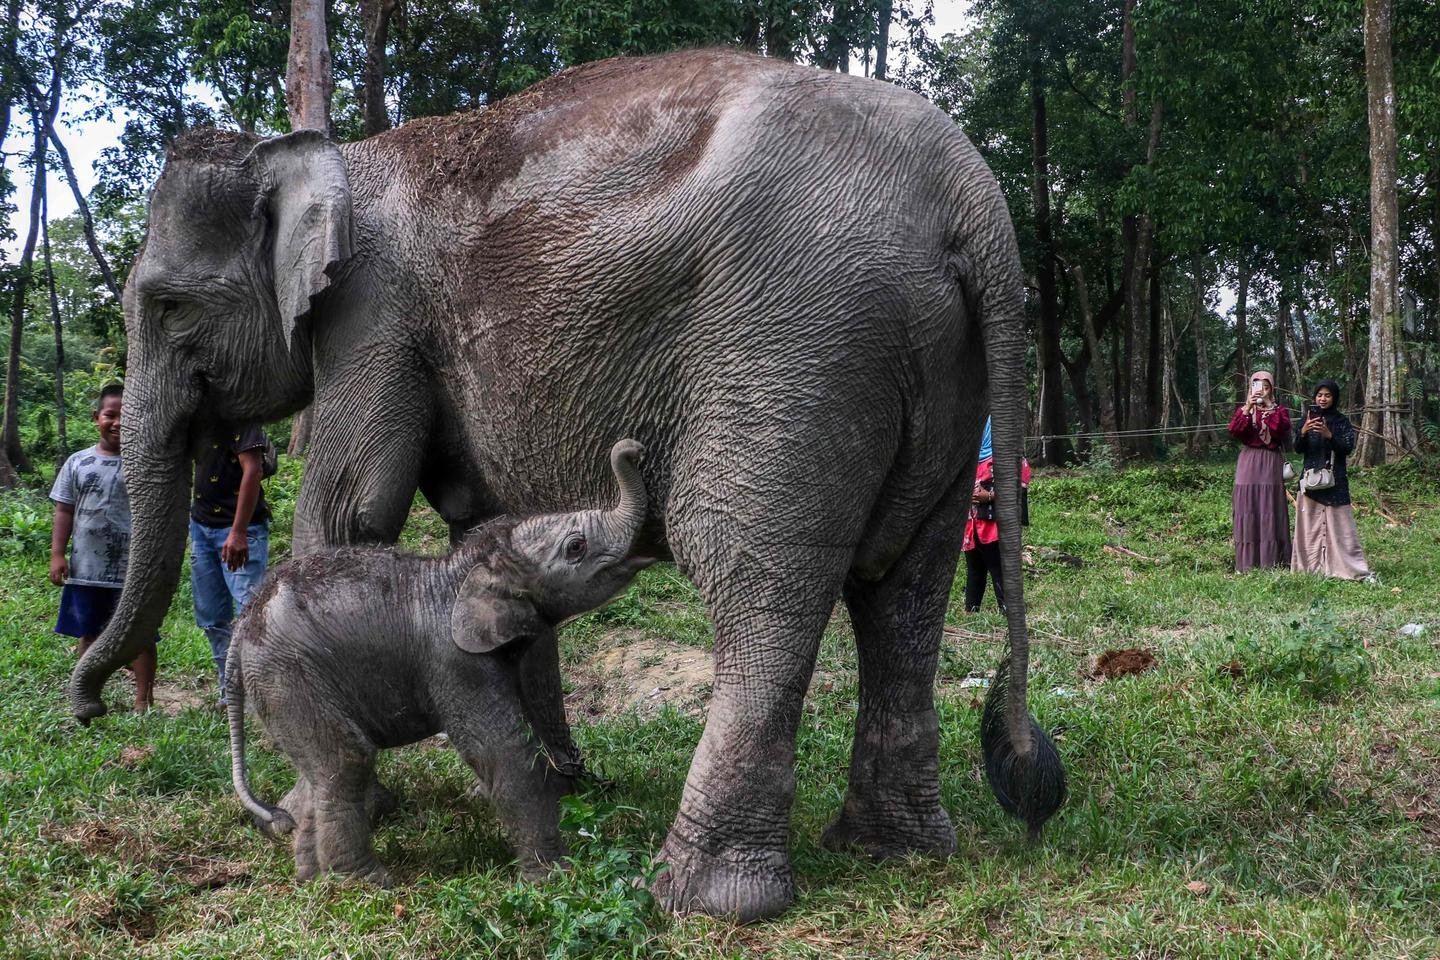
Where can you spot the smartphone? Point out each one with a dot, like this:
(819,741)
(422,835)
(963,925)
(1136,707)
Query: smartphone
(1315,413)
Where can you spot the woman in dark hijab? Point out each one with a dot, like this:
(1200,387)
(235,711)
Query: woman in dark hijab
(1326,541)
(1259,511)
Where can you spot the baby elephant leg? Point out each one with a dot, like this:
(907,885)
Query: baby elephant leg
(297,804)
(524,790)
(342,826)
(333,831)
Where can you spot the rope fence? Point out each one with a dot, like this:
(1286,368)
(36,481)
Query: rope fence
(1195,429)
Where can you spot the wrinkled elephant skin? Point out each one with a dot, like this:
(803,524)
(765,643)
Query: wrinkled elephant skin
(800,290)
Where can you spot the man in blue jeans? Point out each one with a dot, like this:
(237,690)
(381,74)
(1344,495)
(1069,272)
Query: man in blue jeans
(229,532)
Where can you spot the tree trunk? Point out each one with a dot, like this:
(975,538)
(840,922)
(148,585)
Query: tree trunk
(750,26)
(308,81)
(375,15)
(1306,345)
(1350,361)
(41,122)
(883,15)
(308,84)
(1108,422)
(7,98)
(86,221)
(1154,364)
(300,433)
(1204,408)
(1435,242)
(1244,271)
(1055,446)
(1388,432)
(1283,376)
(62,439)
(1139,413)
(1288,344)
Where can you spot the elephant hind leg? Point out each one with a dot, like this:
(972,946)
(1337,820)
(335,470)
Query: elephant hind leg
(342,825)
(892,806)
(336,764)
(766,524)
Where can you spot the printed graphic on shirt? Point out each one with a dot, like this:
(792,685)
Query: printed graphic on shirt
(93,484)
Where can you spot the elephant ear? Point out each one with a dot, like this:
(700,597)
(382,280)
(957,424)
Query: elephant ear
(489,614)
(309,231)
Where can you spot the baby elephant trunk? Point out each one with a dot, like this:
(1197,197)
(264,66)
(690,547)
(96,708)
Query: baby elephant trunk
(621,524)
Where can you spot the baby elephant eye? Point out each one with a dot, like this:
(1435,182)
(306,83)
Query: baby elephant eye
(575,548)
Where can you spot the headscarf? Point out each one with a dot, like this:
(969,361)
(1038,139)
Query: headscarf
(1257,416)
(1334,389)
(985,450)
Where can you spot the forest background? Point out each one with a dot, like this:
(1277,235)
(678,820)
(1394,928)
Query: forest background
(1155,154)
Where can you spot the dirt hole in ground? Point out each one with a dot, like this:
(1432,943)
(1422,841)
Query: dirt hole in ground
(171,698)
(1122,663)
(642,676)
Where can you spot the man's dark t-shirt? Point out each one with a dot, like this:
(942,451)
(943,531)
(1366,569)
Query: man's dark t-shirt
(218,474)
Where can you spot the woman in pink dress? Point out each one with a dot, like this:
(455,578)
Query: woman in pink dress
(1258,508)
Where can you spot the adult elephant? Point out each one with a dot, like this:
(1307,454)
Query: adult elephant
(800,290)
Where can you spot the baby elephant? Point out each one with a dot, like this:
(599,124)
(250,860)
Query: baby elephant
(348,652)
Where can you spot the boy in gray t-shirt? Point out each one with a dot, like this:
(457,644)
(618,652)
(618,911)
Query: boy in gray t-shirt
(91,504)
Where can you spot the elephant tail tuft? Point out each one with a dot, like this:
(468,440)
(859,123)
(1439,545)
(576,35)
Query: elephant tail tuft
(273,821)
(1028,780)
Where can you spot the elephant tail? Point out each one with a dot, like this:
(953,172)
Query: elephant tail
(1021,762)
(274,821)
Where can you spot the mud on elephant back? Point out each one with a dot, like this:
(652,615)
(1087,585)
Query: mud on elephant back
(640,247)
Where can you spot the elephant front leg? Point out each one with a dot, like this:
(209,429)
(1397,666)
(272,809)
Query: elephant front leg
(363,465)
(893,804)
(520,783)
(543,696)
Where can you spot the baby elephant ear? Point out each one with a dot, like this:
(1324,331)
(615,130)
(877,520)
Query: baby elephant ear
(489,614)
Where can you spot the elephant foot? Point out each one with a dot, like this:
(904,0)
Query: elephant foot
(535,869)
(376,874)
(743,885)
(884,830)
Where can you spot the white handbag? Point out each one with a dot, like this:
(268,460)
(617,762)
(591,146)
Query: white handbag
(1320,478)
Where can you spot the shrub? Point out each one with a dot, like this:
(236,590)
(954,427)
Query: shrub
(600,907)
(1315,656)
(25,525)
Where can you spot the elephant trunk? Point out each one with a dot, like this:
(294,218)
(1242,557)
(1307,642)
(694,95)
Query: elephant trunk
(154,446)
(621,524)
(1021,762)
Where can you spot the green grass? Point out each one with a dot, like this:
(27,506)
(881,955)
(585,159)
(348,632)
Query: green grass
(1290,811)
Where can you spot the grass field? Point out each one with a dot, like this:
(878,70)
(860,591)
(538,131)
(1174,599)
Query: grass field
(1270,788)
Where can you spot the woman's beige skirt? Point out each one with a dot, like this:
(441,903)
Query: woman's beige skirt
(1326,541)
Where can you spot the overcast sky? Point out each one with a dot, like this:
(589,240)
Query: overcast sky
(86,138)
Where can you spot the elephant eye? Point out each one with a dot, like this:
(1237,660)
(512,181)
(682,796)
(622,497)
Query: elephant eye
(574,548)
(172,318)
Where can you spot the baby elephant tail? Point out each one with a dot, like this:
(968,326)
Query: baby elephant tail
(274,821)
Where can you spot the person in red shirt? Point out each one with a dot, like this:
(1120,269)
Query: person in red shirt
(982,533)
(1259,511)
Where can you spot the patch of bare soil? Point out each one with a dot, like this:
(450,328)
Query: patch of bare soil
(1121,663)
(642,676)
(98,838)
(171,698)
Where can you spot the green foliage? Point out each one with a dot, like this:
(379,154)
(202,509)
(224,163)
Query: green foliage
(1313,655)
(25,524)
(1174,772)
(597,907)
